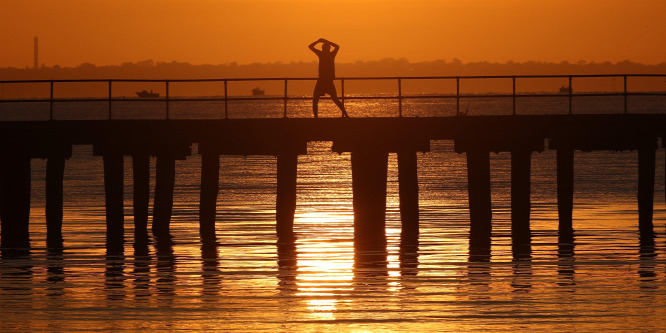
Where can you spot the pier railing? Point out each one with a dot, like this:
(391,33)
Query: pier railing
(567,91)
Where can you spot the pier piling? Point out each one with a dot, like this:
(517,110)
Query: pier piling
(55,170)
(409,194)
(113,185)
(565,190)
(285,208)
(480,208)
(520,196)
(15,202)
(165,176)
(210,182)
(369,172)
(646,172)
(141,181)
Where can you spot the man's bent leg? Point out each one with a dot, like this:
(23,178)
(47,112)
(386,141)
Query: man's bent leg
(315,104)
(334,97)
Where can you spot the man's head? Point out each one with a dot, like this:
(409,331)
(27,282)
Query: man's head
(326,47)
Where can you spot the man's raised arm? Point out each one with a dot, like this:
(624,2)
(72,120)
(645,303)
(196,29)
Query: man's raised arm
(312,45)
(335,46)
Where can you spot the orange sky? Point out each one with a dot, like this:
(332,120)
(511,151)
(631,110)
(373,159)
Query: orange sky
(221,31)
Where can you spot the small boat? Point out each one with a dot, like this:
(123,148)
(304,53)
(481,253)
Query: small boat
(565,90)
(258,92)
(146,94)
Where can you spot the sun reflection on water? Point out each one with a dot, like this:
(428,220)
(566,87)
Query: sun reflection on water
(325,273)
(325,262)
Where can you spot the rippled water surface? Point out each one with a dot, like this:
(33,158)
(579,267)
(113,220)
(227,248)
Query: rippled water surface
(607,279)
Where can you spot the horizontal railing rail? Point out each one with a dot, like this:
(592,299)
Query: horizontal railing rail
(400,96)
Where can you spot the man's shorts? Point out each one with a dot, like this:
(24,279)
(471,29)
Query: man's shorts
(324,87)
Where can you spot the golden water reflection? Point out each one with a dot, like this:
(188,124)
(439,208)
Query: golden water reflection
(327,268)
(325,263)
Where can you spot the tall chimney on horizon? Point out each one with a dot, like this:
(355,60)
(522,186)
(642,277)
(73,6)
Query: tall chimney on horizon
(36,53)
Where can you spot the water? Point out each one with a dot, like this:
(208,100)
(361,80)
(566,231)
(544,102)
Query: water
(605,280)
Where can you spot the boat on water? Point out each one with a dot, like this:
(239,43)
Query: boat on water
(565,90)
(258,92)
(146,94)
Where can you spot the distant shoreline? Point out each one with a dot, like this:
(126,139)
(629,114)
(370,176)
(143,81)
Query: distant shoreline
(385,67)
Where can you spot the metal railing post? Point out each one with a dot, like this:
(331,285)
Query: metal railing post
(110,101)
(457,95)
(51,103)
(226,105)
(167,98)
(399,97)
(570,94)
(285,98)
(514,95)
(626,109)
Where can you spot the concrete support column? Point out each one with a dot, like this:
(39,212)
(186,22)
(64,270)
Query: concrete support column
(15,203)
(55,170)
(113,185)
(141,181)
(565,190)
(165,176)
(409,195)
(369,171)
(287,170)
(646,170)
(520,196)
(210,182)
(480,208)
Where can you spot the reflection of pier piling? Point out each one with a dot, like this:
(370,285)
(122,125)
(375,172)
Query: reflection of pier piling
(370,141)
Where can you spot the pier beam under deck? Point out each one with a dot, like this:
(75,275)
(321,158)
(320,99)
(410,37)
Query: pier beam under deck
(165,176)
(565,190)
(285,207)
(15,203)
(520,196)
(369,172)
(141,181)
(646,171)
(55,170)
(409,195)
(113,186)
(210,182)
(480,208)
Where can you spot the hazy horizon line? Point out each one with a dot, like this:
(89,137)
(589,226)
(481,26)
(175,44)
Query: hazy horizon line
(452,61)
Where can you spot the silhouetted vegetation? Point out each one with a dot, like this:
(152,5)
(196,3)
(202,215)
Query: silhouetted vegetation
(384,67)
(148,69)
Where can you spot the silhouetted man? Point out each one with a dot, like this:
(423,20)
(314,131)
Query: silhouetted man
(326,74)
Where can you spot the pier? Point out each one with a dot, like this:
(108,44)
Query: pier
(368,140)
